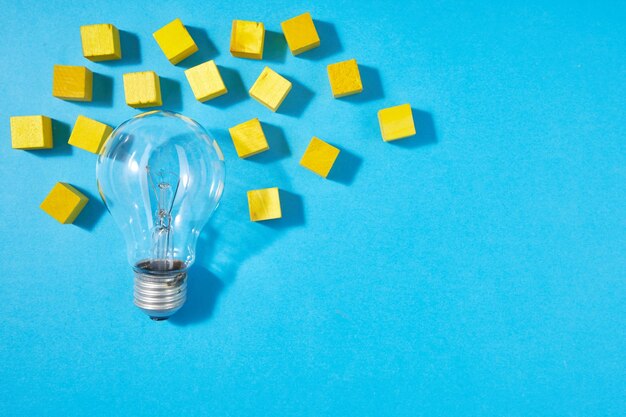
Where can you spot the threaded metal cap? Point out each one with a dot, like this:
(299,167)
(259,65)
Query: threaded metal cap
(160,287)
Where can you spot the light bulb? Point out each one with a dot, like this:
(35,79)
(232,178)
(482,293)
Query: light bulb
(161,177)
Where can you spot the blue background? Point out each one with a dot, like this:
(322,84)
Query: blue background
(476,269)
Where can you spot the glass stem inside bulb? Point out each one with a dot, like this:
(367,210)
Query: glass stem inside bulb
(164,186)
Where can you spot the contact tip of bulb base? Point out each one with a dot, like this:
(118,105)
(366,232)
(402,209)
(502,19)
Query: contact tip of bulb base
(160,292)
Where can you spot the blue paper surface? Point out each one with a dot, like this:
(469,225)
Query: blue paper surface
(476,269)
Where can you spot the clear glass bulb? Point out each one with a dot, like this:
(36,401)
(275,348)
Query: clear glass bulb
(161,177)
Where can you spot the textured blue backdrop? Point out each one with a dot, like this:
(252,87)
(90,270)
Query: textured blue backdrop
(476,269)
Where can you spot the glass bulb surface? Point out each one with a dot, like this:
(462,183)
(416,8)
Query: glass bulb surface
(161,177)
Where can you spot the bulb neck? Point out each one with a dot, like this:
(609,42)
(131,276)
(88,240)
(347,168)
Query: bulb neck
(160,287)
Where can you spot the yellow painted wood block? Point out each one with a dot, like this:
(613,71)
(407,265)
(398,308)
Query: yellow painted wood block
(264,204)
(89,134)
(31,132)
(175,41)
(319,157)
(270,89)
(248,138)
(142,89)
(101,42)
(72,83)
(345,78)
(396,122)
(64,203)
(246,39)
(300,33)
(205,81)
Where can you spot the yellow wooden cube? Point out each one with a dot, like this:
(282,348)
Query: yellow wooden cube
(64,203)
(319,157)
(101,42)
(246,39)
(142,89)
(396,122)
(345,78)
(205,81)
(270,89)
(72,83)
(31,132)
(89,134)
(175,41)
(248,138)
(300,33)
(264,204)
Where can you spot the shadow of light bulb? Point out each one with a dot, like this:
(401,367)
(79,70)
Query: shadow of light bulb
(231,239)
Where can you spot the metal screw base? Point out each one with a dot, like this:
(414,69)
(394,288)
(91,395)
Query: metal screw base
(160,288)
